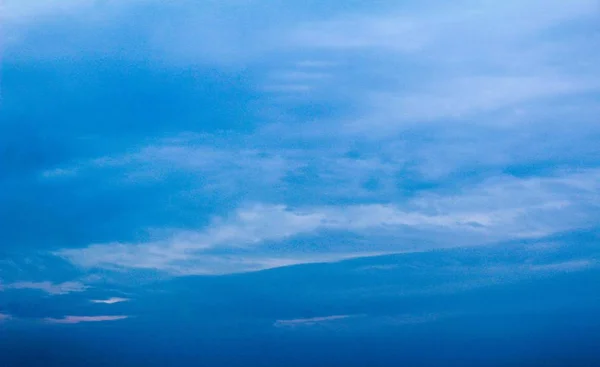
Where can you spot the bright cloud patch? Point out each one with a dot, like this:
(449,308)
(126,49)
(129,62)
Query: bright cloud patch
(110,301)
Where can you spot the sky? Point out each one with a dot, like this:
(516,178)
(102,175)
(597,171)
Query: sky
(302,183)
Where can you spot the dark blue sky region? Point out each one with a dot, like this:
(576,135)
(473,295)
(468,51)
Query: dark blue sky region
(284,183)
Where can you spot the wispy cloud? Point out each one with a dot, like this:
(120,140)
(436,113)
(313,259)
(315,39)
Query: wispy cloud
(501,209)
(438,108)
(456,64)
(382,267)
(310,321)
(365,320)
(83,319)
(4,317)
(176,262)
(32,10)
(460,98)
(363,31)
(254,226)
(408,30)
(48,287)
(412,319)
(110,301)
(564,267)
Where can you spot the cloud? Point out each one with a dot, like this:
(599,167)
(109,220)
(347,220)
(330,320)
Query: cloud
(256,225)
(382,267)
(365,321)
(110,301)
(459,98)
(173,261)
(83,319)
(400,28)
(33,10)
(253,237)
(49,287)
(454,65)
(410,319)
(394,33)
(565,266)
(4,317)
(403,133)
(310,321)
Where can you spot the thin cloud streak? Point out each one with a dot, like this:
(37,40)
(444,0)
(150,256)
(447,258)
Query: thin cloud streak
(110,301)
(310,321)
(83,319)
(48,287)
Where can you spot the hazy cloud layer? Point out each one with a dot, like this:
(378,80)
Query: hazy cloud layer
(221,137)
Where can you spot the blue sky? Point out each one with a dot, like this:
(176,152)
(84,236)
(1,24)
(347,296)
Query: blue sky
(300,171)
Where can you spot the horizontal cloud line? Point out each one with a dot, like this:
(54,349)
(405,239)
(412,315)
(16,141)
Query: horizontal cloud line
(81,319)
(310,321)
(110,301)
(48,287)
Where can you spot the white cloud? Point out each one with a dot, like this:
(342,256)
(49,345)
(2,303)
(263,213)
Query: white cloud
(4,317)
(255,237)
(49,287)
(110,301)
(80,319)
(457,62)
(310,321)
(464,97)
(169,258)
(461,61)
(254,226)
(473,58)
(413,30)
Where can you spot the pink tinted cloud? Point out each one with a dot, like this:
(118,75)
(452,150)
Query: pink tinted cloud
(49,287)
(80,319)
